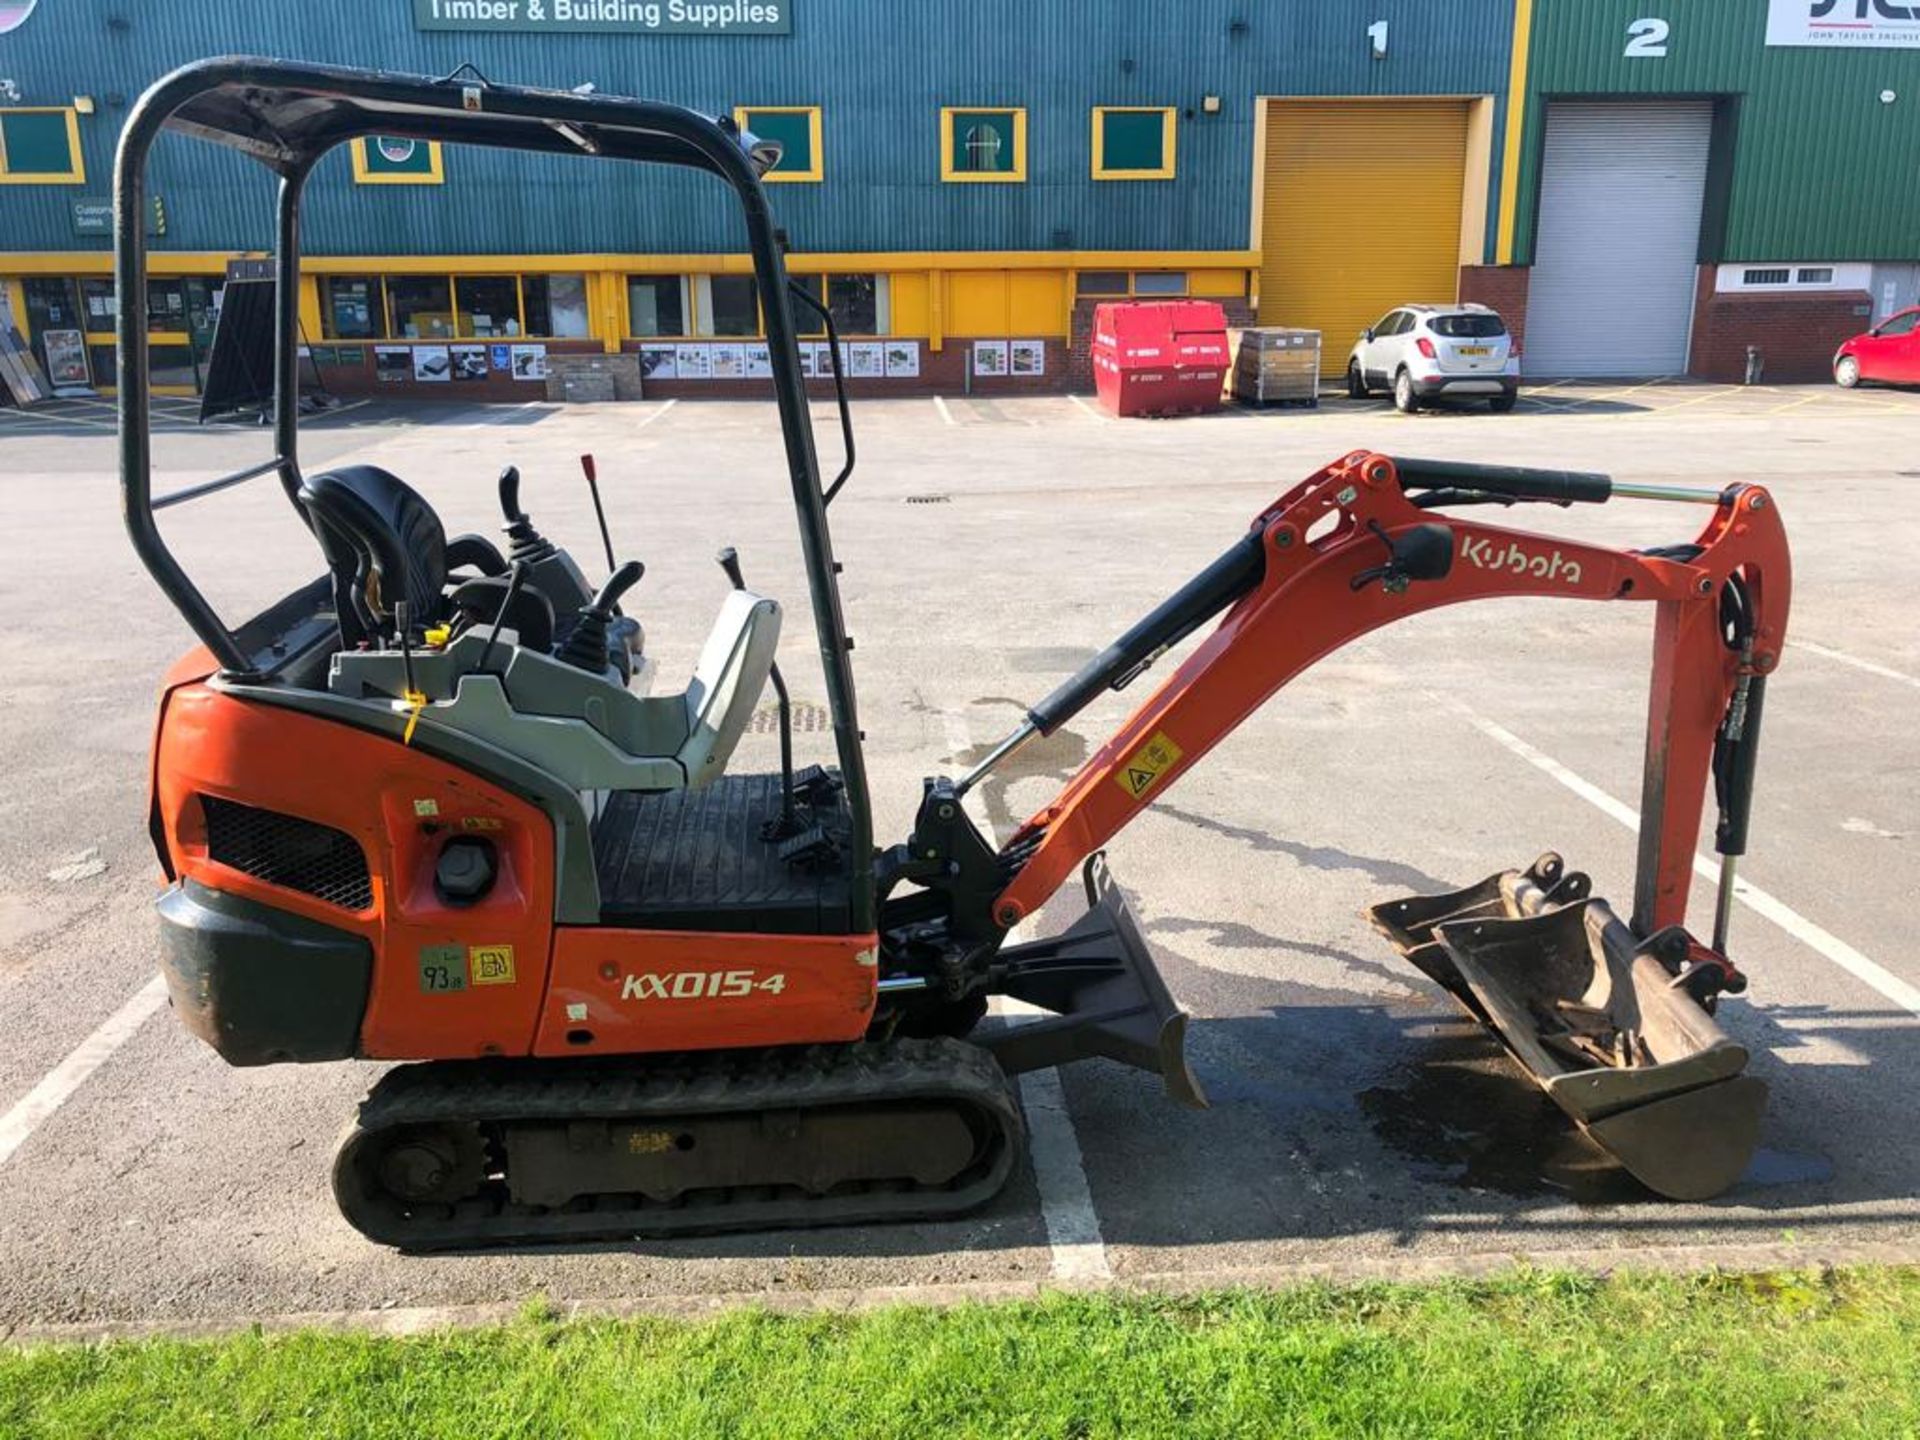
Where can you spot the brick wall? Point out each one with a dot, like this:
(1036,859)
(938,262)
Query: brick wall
(1502,288)
(1797,334)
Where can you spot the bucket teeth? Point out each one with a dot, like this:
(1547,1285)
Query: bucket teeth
(1594,1018)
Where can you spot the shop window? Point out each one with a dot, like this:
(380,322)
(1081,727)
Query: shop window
(101,302)
(1160,283)
(1133,142)
(486,306)
(733,305)
(420,307)
(394,160)
(1814,275)
(556,306)
(1767,277)
(656,305)
(166,306)
(1103,283)
(854,303)
(351,308)
(41,147)
(983,145)
(796,127)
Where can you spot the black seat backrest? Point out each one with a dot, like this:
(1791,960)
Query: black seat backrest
(370,521)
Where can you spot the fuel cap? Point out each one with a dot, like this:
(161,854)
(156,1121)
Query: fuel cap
(465,870)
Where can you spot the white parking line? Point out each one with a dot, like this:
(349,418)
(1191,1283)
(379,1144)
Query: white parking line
(940,404)
(1059,1173)
(1088,406)
(649,419)
(71,1073)
(1823,942)
(1872,667)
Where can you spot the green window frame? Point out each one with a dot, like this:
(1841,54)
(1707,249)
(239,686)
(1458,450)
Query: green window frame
(1134,142)
(797,128)
(983,144)
(32,137)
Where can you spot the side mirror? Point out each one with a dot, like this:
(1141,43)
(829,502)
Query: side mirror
(1367,334)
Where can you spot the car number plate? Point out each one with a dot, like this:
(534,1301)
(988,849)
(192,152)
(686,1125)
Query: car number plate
(1475,350)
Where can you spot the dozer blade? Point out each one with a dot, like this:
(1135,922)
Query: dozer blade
(1595,1019)
(1106,995)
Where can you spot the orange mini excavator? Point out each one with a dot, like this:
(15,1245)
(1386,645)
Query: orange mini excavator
(430,808)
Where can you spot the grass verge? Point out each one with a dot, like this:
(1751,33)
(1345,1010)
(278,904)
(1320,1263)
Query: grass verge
(1828,1354)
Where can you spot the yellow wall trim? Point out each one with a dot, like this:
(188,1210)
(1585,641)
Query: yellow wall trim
(1168,121)
(1516,127)
(365,174)
(75,176)
(815,172)
(1016,176)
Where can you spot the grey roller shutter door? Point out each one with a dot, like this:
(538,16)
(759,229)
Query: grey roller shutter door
(1616,253)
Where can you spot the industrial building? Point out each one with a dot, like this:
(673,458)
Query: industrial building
(1643,187)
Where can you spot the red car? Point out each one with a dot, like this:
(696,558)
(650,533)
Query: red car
(1889,352)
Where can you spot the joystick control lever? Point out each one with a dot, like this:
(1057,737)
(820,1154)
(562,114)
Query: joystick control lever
(586,644)
(526,544)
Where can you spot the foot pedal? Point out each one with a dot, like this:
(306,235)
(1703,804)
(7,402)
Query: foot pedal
(810,848)
(816,785)
(1593,1015)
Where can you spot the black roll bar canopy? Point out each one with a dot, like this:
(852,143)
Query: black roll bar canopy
(286,115)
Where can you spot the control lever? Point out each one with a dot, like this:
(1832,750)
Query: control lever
(586,645)
(528,545)
(788,821)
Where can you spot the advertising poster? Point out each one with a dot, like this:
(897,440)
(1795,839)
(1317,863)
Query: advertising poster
(393,362)
(903,359)
(989,357)
(1029,357)
(500,357)
(729,362)
(67,359)
(1857,24)
(695,362)
(759,362)
(657,362)
(432,363)
(529,362)
(869,359)
(469,362)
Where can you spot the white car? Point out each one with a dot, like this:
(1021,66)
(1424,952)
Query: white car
(1421,352)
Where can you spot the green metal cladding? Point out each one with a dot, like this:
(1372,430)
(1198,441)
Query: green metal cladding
(1817,166)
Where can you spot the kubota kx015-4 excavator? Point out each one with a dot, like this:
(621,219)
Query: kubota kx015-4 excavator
(427,809)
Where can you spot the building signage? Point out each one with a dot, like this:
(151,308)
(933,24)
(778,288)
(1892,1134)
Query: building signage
(609,17)
(1843,23)
(14,13)
(93,215)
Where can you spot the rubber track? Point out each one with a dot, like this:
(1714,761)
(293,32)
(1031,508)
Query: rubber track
(722,1082)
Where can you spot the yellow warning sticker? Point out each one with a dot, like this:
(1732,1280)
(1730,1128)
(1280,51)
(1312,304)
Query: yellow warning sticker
(1148,764)
(491,964)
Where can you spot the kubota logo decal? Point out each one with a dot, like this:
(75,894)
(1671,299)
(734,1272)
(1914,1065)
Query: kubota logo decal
(701,985)
(1479,551)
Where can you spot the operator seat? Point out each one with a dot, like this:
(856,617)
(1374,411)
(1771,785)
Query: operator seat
(370,522)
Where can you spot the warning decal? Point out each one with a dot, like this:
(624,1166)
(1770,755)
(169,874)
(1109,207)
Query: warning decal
(492,964)
(1148,764)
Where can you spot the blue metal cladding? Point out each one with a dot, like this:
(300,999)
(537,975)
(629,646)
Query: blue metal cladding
(880,70)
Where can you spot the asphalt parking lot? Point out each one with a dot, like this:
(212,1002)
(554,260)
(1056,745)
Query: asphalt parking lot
(1357,1122)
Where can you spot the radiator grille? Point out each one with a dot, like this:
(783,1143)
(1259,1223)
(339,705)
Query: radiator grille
(314,859)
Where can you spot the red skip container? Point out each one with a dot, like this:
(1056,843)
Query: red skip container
(1159,357)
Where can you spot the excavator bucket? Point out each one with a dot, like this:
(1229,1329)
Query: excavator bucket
(1595,1017)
